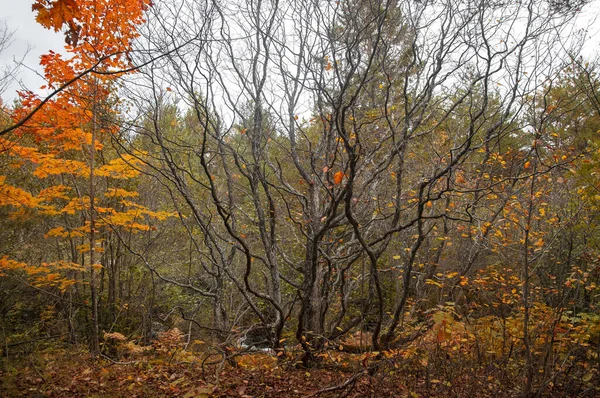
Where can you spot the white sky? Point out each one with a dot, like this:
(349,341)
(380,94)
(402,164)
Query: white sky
(29,40)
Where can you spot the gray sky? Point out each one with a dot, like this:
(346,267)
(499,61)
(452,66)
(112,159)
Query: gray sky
(29,40)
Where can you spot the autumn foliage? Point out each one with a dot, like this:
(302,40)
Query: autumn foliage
(312,199)
(81,183)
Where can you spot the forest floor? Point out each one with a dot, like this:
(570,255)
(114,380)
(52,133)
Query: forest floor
(70,373)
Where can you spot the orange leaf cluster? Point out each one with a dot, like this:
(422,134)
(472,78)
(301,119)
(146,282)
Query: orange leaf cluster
(94,29)
(62,142)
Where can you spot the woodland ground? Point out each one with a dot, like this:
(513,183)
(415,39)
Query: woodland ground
(72,373)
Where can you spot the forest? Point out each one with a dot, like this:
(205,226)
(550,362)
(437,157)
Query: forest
(303,198)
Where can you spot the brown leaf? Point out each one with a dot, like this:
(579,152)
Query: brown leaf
(241,390)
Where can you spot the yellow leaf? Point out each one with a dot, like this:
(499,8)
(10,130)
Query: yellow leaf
(432,282)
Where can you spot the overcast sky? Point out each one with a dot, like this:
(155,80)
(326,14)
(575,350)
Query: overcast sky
(29,35)
(31,41)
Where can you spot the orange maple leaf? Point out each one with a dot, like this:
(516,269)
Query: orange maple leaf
(54,14)
(338,177)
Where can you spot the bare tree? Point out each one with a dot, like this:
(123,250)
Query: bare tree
(9,72)
(321,146)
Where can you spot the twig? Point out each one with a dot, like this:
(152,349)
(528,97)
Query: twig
(342,386)
(113,362)
(35,340)
(37,370)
